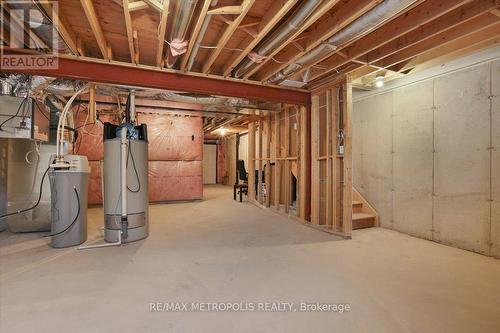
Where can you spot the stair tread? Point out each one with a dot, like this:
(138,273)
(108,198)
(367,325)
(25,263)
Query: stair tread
(354,202)
(359,216)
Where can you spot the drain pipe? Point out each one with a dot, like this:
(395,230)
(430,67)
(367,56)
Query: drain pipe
(184,10)
(132,106)
(272,41)
(199,39)
(363,25)
(123,172)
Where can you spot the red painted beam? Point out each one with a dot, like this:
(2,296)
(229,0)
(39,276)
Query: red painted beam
(123,74)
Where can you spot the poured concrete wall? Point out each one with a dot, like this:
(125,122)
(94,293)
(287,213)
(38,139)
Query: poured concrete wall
(426,156)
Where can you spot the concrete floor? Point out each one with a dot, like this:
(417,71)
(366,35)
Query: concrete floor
(223,251)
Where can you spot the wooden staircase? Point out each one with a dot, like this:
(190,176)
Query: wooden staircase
(363,214)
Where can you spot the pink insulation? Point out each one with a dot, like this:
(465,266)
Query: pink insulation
(221,164)
(175,180)
(90,141)
(174,138)
(95,189)
(175,155)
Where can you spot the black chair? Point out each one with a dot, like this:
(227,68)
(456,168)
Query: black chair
(243,176)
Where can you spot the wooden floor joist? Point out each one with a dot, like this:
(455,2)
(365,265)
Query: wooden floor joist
(248,23)
(419,15)
(93,20)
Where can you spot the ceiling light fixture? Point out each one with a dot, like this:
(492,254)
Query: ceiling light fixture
(379,80)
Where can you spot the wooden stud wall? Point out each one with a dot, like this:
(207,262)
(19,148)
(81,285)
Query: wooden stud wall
(281,145)
(331,198)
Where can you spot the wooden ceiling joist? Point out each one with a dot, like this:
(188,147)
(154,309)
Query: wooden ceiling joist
(470,36)
(274,15)
(80,46)
(415,17)
(161,32)
(321,31)
(130,33)
(20,28)
(489,24)
(461,47)
(246,5)
(226,10)
(427,28)
(88,8)
(157,5)
(137,5)
(454,18)
(322,10)
(136,47)
(195,33)
(62,27)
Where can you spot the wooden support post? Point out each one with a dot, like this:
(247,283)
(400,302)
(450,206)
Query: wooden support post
(277,163)
(329,159)
(337,162)
(315,181)
(259,164)
(287,171)
(347,184)
(251,160)
(303,163)
(268,162)
(92,104)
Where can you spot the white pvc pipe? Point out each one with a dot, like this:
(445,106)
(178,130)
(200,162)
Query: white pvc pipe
(132,106)
(62,122)
(123,165)
(117,243)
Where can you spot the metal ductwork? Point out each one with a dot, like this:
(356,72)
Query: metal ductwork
(201,34)
(209,103)
(38,87)
(361,26)
(182,14)
(276,39)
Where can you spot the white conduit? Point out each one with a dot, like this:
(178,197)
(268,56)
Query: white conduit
(363,25)
(62,123)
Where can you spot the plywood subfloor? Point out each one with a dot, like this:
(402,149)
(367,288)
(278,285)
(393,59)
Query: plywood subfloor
(220,250)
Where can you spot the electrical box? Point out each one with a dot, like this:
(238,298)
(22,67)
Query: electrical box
(23,118)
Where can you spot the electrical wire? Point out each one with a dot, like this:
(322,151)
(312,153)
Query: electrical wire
(37,202)
(37,150)
(74,221)
(234,49)
(15,115)
(135,169)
